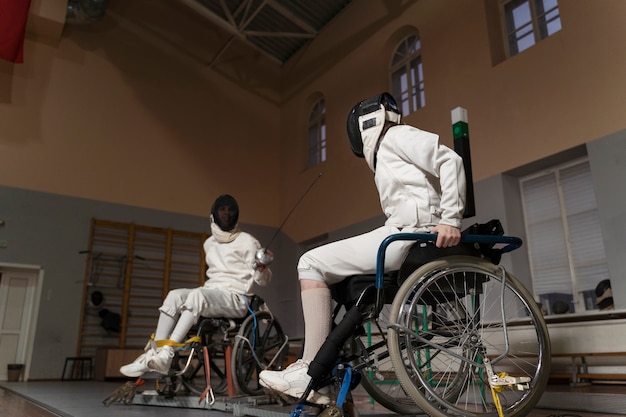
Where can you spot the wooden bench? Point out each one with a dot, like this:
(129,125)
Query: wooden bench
(580,368)
(580,374)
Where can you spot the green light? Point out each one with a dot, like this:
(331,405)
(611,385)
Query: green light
(460,130)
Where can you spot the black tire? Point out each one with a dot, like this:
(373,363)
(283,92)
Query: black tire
(260,344)
(468,311)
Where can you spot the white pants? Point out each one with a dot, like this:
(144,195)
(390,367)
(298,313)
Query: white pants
(205,302)
(356,255)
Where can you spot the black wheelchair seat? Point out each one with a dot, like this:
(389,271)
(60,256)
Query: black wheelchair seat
(349,290)
(422,253)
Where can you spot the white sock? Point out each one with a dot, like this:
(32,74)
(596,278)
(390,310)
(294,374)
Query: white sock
(316,307)
(164,326)
(185,322)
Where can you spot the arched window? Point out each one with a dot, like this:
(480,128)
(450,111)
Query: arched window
(407,75)
(317,134)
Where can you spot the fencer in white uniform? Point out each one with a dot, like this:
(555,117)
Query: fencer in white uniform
(232,270)
(421,185)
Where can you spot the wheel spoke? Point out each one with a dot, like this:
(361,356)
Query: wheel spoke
(260,340)
(462,311)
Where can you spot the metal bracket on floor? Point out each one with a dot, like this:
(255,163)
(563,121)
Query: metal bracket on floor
(124,394)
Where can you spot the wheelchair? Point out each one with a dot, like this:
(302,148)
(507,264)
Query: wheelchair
(450,334)
(224,356)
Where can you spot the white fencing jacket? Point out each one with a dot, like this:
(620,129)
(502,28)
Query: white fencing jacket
(421,183)
(230,262)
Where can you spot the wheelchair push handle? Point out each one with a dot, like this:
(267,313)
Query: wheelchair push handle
(510,244)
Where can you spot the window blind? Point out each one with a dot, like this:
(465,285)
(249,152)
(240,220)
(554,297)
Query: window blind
(564,238)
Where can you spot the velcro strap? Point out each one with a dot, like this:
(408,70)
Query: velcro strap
(169,342)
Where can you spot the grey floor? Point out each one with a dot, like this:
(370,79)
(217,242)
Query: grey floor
(85,399)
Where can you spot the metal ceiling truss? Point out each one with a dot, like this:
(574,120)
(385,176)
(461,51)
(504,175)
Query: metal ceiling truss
(276,28)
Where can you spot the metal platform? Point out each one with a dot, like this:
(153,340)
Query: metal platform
(262,406)
(84,399)
(239,406)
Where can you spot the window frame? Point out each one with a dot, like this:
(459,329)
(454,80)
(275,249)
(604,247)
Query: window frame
(538,25)
(406,62)
(317,143)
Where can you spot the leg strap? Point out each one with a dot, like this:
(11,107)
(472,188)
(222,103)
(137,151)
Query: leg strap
(169,342)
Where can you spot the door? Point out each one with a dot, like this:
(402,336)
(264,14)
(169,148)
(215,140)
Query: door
(19,288)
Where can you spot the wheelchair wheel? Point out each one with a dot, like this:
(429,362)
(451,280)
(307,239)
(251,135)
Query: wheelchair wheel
(453,318)
(378,377)
(193,362)
(260,344)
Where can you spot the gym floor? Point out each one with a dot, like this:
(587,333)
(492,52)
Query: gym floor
(85,399)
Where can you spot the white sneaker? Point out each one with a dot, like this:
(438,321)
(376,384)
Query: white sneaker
(293,381)
(162,360)
(139,366)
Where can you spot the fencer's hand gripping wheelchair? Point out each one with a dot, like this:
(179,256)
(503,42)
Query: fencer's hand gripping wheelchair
(225,355)
(454,333)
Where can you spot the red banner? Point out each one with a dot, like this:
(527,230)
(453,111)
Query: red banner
(13,16)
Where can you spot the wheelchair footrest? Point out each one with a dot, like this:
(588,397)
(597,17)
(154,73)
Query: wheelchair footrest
(152,375)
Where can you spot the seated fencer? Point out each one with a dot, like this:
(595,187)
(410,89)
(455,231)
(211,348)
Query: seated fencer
(233,266)
(421,184)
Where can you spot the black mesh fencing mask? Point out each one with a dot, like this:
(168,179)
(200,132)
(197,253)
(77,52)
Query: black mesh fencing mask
(366,120)
(225,212)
